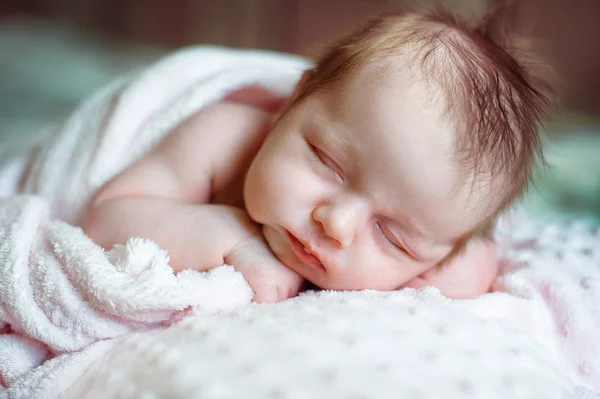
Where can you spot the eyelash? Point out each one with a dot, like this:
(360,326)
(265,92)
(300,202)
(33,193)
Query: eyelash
(395,246)
(325,161)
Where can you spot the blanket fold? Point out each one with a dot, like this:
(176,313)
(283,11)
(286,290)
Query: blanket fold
(59,289)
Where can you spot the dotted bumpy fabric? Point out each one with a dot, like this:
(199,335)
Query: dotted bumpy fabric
(369,345)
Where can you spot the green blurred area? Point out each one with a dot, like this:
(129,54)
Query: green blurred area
(569,182)
(46,69)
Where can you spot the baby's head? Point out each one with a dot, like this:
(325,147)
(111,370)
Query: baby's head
(405,141)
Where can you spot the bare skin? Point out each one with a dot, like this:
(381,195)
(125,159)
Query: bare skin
(192,205)
(230,186)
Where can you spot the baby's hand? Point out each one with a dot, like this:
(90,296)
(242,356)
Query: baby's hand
(468,275)
(270,280)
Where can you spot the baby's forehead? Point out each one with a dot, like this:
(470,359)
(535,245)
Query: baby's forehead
(402,74)
(443,99)
(426,143)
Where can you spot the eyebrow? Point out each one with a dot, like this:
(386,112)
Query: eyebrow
(332,135)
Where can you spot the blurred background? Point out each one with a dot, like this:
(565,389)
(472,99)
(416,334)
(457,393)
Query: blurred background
(55,52)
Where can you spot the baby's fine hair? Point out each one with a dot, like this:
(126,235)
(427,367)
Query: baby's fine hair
(491,89)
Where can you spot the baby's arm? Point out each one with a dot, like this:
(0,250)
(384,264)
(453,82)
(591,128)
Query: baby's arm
(164,196)
(469,274)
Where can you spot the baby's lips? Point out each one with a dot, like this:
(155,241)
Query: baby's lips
(305,257)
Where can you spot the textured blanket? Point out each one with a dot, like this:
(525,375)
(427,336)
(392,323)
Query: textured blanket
(78,322)
(534,338)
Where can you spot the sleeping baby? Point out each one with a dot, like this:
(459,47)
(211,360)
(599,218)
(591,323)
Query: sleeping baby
(385,169)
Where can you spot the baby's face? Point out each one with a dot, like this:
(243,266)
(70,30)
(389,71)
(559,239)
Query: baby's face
(356,187)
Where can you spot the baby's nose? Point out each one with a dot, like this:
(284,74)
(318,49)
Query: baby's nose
(340,222)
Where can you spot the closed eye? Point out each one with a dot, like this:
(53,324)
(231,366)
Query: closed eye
(390,239)
(326,161)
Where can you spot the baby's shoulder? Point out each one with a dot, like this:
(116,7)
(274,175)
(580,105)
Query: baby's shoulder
(227,117)
(247,111)
(227,138)
(219,141)
(220,127)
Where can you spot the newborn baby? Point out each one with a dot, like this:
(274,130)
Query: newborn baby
(385,169)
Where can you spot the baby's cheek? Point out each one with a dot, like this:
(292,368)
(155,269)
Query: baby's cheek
(266,188)
(254,190)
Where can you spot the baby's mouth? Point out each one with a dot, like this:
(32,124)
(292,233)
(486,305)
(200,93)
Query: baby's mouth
(300,251)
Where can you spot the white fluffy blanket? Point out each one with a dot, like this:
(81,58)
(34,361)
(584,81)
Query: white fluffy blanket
(78,322)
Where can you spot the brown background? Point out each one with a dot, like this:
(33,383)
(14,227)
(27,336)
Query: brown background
(571,28)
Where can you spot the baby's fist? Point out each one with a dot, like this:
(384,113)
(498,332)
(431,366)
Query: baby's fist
(270,280)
